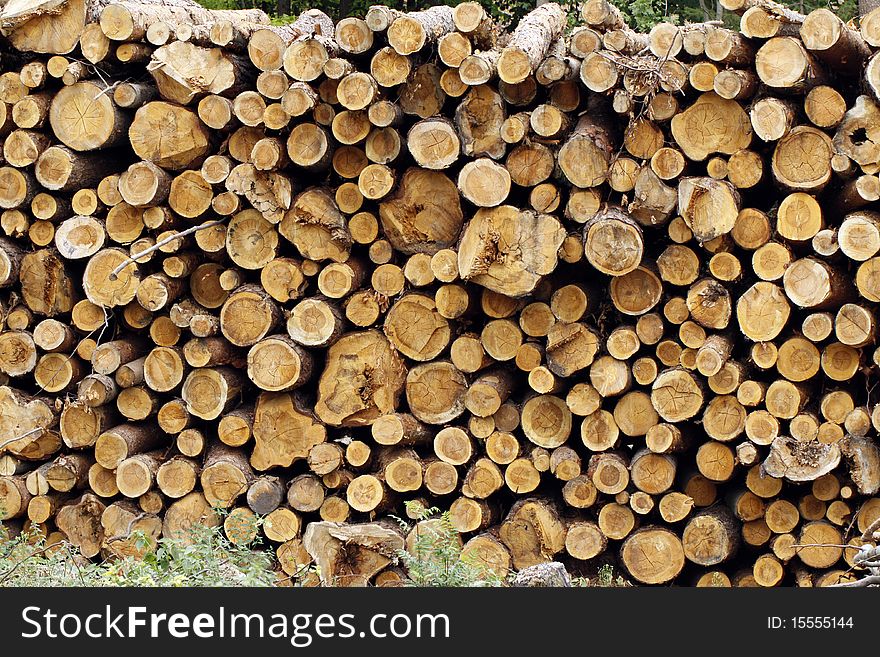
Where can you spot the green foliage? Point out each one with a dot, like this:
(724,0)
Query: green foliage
(27,560)
(203,558)
(206,558)
(640,14)
(436,559)
(509,12)
(505,12)
(232,4)
(604,579)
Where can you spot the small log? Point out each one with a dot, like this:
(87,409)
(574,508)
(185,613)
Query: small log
(226,475)
(711,537)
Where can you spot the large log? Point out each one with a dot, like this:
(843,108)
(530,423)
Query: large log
(424,215)
(84,117)
(47,27)
(362,380)
(653,555)
(507,250)
(168,135)
(351,555)
(184,71)
(409,33)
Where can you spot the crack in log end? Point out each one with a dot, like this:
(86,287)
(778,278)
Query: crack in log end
(362,380)
(367,388)
(712,294)
(807,454)
(489,253)
(408,216)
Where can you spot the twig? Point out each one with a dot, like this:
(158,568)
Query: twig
(71,557)
(158,245)
(9,572)
(298,573)
(859,583)
(109,88)
(868,534)
(39,430)
(127,534)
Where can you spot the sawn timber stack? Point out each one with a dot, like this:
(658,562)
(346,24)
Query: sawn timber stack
(608,297)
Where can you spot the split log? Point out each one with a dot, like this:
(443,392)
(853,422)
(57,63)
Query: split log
(316,227)
(484,258)
(80,522)
(373,380)
(532,532)
(709,207)
(351,555)
(864,461)
(586,155)
(797,461)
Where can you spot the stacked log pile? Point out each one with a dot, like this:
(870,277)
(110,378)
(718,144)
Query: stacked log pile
(605,296)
